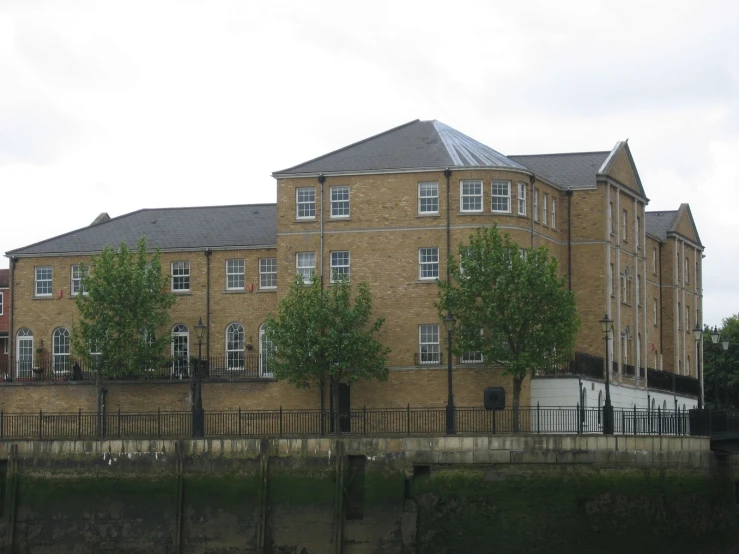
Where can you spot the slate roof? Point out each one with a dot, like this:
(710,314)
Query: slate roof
(576,171)
(4,278)
(415,145)
(660,223)
(248,225)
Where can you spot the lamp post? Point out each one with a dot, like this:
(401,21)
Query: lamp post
(715,335)
(607,325)
(198,415)
(698,335)
(725,346)
(449,324)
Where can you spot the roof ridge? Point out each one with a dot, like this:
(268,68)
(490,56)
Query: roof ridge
(558,154)
(346,147)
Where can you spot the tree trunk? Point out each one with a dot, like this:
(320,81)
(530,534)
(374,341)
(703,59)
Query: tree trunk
(517,382)
(335,404)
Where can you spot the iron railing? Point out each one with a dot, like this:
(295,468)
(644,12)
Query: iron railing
(369,422)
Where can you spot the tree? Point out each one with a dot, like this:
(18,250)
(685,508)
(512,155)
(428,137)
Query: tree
(511,305)
(122,307)
(726,383)
(323,336)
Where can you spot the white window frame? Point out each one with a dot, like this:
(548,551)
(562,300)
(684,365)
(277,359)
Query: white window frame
(75,279)
(41,281)
(536,204)
(521,198)
(339,204)
(303,266)
(235,346)
(554,213)
(429,350)
(182,273)
(427,264)
(24,352)
(265,346)
(473,357)
(181,364)
(473,198)
(307,206)
(60,350)
(235,269)
(267,271)
(2,303)
(425,198)
(544,210)
(498,197)
(340,265)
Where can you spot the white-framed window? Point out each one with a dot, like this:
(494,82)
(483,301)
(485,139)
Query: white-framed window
(654,261)
(60,352)
(43,280)
(235,274)
(611,226)
(340,201)
(638,231)
(470,191)
(235,346)
(305,264)
(521,198)
(687,270)
(428,263)
(536,204)
(180,351)
(625,226)
(554,213)
(654,311)
(544,215)
(77,272)
(428,344)
(268,273)
(471,357)
(501,199)
(24,352)
(2,303)
(428,197)
(305,198)
(265,348)
(180,276)
(339,266)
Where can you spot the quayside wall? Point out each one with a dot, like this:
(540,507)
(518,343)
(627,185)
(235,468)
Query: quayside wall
(563,493)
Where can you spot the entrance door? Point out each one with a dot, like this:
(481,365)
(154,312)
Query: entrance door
(345,424)
(180,351)
(24,353)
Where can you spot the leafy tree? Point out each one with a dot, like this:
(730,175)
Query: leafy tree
(122,307)
(511,305)
(324,336)
(725,381)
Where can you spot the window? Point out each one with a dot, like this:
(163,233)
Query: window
(339,266)
(638,290)
(623,288)
(306,266)
(340,201)
(265,348)
(545,201)
(677,269)
(679,316)
(687,270)
(554,213)
(76,282)
(638,231)
(611,222)
(428,197)
(502,196)
(611,277)
(234,274)
(235,346)
(654,311)
(306,202)
(24,352)
(428,342)
(43,281)
(428,263)
(180,351)
(536,204)
(180,276)
(654,261)
(625,227)
(687,319)
(521,198)
(268,273)
(471,357)
(2,303)
(60,352)
(470,196)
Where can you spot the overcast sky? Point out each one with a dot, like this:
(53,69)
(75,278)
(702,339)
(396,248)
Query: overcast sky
(117,106)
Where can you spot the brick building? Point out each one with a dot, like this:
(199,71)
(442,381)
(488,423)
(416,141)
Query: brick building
(4,317)
(379,210)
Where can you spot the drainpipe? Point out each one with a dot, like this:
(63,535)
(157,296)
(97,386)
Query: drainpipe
(208,253)
(448,174)
(661,327)
(321,181)
(569,238)
(532,180)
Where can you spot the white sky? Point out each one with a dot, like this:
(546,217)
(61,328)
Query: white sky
(118,106)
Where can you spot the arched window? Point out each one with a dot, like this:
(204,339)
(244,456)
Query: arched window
(180,351)
(60,353)
(24,352)
(265,347)
(235,346)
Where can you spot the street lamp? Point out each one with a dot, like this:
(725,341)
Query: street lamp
(198,415)
(607,325)
(449,324)
(715,335)
(698,335)
(725,346)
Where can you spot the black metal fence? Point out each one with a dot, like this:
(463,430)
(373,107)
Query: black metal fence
(379,422)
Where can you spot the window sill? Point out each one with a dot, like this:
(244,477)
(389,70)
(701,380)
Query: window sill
(50,297)
(433,215)
(306,220)
(182,292)
(234,291)
(272,290)
(427,281)
(472,213)
(336,218)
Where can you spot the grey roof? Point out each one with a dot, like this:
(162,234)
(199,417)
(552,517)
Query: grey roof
(415,145)
(249,225)
(576,171)
(660,223)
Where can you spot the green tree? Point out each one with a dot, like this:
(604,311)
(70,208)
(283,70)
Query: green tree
(725,380)
(122,308)
(324,336)
(511,305)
